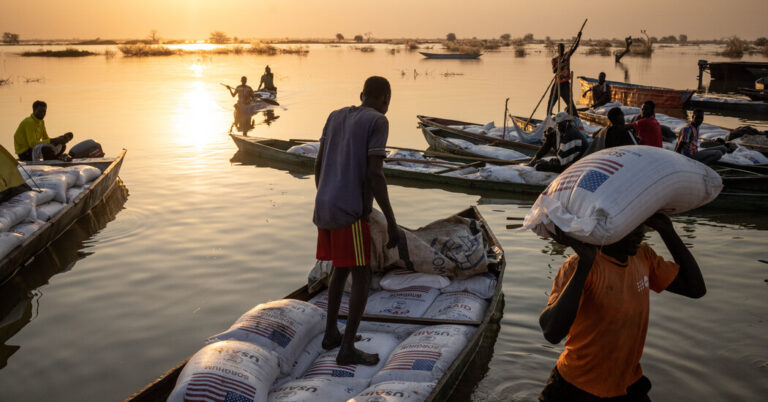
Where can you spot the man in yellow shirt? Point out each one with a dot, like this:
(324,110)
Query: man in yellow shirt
(31,141)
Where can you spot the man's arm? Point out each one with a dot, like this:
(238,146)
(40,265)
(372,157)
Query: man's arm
(575,45)
(319,164)
(557,318)
(689,281)
(232,91)
(378,183)
(261,83)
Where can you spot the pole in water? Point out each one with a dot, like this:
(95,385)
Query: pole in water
(506,108)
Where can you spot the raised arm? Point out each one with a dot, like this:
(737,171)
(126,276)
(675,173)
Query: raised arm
(689,281)
(575,45)
(378,183)
(557,318)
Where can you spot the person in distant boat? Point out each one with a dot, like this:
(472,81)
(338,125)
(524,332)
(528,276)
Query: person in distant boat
(600,302)
(31,141)
(243,91)
(601,92)
(267,81)
(688,142)
(561,65)
(349,175)
(616,134)
(647,127)
(572,146)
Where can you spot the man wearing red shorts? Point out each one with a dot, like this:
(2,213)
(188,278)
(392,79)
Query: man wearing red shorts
(349,175)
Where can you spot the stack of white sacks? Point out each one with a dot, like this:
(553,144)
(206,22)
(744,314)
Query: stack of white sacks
(273,352)
(53,188)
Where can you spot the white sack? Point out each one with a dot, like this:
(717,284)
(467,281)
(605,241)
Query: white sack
(602,198)
(37,197)
(400,331)
(425,355)
(409,302)
(483,285)
(282,326)
(226,371)
(8,242)
(462,306)
(400,278)
(321,300)
(12,215)
(56,182)
(307,356)
(395,391)
(460,240)
(355,375)
(84,173)
(48,210)
(308,149)
(27,229)
(73,192)
(312,390)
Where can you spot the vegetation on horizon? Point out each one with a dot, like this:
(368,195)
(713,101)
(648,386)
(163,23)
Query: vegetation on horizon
(68,52)
(264,49)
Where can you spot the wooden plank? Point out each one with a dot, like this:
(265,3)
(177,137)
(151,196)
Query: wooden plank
(412,320)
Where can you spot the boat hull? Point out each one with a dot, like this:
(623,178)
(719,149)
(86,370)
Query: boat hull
(635,95)
(737,71)
(451,56)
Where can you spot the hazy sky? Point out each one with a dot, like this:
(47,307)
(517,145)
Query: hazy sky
(702,19)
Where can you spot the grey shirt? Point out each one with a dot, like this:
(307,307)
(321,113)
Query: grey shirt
(350,135)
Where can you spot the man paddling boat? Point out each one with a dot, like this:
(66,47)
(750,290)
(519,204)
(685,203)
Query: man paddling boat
(349,175)
(561,65)
(243,91)
(600,301)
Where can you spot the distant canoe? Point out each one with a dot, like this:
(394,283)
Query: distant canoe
(635,95)
(454,56)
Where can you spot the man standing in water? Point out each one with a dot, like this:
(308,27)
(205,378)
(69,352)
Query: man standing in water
(267,81)
(31,141)
(349,175)
(600,300)
(561,65)
(244,92)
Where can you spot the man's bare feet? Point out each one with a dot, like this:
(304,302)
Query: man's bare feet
(356,356)
(333,340)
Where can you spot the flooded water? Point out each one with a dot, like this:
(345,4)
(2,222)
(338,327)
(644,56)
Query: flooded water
(135,288)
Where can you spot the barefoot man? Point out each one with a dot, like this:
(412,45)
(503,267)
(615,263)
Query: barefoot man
(349,175)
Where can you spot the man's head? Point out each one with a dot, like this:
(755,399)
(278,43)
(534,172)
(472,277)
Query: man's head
(560,49)
(563,120)
(601,78)
(376,93)
(243,80)
(697,118)
(39,108)
(267,69)
(648,109)
(616,116)
(627,246)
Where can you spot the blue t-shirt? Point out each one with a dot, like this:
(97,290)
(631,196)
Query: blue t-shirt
(350,135)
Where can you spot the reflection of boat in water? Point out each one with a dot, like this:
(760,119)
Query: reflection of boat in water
(19,297)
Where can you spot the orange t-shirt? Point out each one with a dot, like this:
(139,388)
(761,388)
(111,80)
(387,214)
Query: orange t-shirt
(605,343)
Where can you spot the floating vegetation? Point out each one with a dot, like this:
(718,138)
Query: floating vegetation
(5,81)
(599,48)
(297,50)
(471,46)
(393,50)
(68,52)
(411,45)
(109,53)
(144,50)
(364,49)
(32,80)
(735,48)
(263,49)
(451,74)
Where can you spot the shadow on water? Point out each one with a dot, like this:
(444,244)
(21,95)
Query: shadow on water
(20,296)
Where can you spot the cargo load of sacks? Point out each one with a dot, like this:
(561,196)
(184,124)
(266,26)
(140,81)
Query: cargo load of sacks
(53,188)
(602,198)
(273,352)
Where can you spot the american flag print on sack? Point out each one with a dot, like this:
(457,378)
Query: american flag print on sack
(327,367)
(211,387)
(271,329)
(588,174)
(413,360)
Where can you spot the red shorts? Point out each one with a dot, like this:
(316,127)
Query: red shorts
(347,247)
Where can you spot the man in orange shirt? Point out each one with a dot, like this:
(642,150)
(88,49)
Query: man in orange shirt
(600,300)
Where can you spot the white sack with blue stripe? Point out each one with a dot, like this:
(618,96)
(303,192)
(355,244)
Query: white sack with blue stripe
(282,326)
(227,371)
(605,196)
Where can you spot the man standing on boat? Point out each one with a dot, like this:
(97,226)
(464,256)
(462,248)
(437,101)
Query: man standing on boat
(601,92)
(244,92)
(600,301)
(267,81)
(647,127)
(349,175)
(561,65)
(568,142)
(688,142)
(31,141)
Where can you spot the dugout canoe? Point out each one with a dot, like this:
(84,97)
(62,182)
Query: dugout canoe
(446,131)
(273,153)
(451,56)
(58,224)
(737,70)
(443,146)
(716,104)
(161,388)
(635,95)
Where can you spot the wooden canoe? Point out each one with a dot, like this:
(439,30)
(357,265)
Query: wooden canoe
(446,131)
(442,145)
(737,70)
(160,389)
(58,224)
(717,104)
(451,56)
(635,95)
(272,153)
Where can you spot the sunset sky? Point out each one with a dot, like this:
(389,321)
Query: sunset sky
(699,19)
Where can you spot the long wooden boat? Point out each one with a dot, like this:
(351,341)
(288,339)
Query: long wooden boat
(58,224)
(737,70)
(273,152)
(446,131)
(758,96)
(160,389)
(451,56)
(727,104)
(635,95)
(442,145)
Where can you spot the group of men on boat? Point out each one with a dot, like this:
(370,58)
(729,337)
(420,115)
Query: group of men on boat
(246,95)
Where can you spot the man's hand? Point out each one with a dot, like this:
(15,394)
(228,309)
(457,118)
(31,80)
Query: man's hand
(659,222)
(586,252)
(394,236)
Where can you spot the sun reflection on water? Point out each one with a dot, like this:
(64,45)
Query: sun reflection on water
(198,118)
